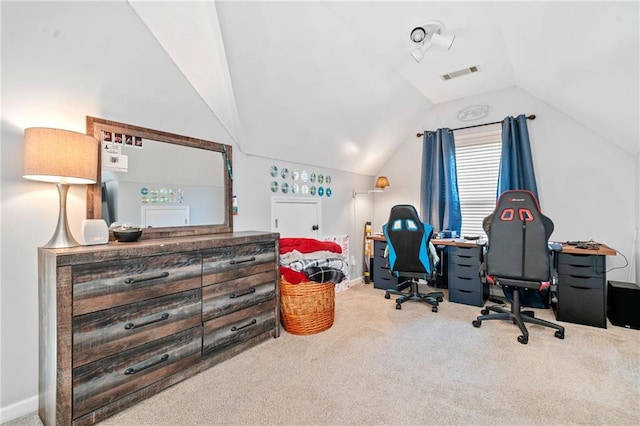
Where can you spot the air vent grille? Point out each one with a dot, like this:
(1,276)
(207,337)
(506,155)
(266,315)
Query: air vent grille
(460,73)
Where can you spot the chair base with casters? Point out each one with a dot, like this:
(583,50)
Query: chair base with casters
(432,298)
(518,317)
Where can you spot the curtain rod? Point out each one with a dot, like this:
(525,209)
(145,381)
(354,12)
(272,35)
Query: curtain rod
(530,117)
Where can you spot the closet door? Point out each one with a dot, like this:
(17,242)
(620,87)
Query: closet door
(296,218)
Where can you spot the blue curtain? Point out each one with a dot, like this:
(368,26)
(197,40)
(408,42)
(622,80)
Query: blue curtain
(516,162)
(439,197)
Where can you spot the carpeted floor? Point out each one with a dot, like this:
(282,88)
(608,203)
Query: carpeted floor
(382,366)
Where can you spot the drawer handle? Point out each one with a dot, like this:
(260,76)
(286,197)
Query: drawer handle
(131,325)
(134,370)
(235,262)
(253,322)
(234,295)
(147,278)
(580,287)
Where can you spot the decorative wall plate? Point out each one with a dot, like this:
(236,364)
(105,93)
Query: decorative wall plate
(327,180)
(312,190)
(274,186)
(320,191)
(304,189)
(304,176)
(329,192)
(285,188)
(312,177)
(284,173)
(295,175)
(273,171)
(295,188)
(320,179)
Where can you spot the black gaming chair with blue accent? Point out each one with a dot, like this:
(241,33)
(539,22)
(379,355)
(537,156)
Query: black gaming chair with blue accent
(408,255)
(518,257)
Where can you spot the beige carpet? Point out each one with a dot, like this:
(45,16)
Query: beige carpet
(382,366)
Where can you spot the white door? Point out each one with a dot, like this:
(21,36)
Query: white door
(293,217)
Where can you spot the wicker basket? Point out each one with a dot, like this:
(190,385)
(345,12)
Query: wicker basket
(307,307)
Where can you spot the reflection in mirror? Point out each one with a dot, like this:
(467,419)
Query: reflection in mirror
(171,185)
(163,185)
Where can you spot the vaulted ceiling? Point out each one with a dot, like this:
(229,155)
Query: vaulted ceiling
(333,83)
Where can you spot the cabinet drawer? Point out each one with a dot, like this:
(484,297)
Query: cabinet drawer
(380,263)
(378,248)
(110,331)
(464,256)
(240,326)
(384,281)
(99,286)
(465,283)
(229,263)
(581,305)
(581,260)
(586,271)
(230,296)
(467,297)
(580,281)
(106,380)
(468,271)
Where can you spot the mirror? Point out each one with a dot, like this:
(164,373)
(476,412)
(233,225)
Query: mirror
(168,184)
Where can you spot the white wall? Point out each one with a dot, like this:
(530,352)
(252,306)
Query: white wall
(60,63)
(587,185)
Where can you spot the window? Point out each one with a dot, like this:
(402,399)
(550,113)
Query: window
(478,162)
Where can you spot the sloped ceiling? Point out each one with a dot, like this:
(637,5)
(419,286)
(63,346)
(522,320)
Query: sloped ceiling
(333,84)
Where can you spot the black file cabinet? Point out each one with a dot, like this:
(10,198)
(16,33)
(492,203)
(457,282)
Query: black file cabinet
(582,290)
(382,278)
(465,285)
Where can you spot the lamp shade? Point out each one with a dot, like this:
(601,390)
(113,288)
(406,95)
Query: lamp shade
(382,182)
(60,156)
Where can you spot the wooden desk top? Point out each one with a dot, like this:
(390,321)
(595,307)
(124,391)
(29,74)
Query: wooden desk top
(603,249)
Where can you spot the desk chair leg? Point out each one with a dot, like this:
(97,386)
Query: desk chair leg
(518,317)
(433,298)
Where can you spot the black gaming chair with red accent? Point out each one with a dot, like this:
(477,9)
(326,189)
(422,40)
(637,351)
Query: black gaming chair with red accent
(518,257)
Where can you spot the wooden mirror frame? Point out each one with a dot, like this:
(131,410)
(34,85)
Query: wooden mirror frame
(94,192)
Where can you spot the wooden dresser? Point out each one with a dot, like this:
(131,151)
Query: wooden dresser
(123,321)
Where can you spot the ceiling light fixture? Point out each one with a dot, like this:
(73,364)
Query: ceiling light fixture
(427,35)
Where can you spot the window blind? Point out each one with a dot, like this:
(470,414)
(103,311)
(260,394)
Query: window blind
(478,162)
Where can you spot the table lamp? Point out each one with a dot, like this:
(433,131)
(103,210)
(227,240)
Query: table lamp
(61,157)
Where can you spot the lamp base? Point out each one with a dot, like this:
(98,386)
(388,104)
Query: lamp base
(62,237)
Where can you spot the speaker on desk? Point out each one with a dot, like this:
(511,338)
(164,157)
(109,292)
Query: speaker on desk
(623,304)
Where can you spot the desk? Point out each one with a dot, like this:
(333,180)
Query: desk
(582,283)
(459,270)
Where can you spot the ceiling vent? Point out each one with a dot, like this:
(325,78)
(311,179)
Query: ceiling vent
(460,73)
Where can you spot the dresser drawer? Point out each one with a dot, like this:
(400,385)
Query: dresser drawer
(229,263)
(230,296)
(110,331)
(106,380)
(467,271)
(240,326)
(104,285)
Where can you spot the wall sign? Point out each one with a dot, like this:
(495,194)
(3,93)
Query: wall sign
(473,112)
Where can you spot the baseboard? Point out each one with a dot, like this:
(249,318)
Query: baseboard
(346,284)
(19,409)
